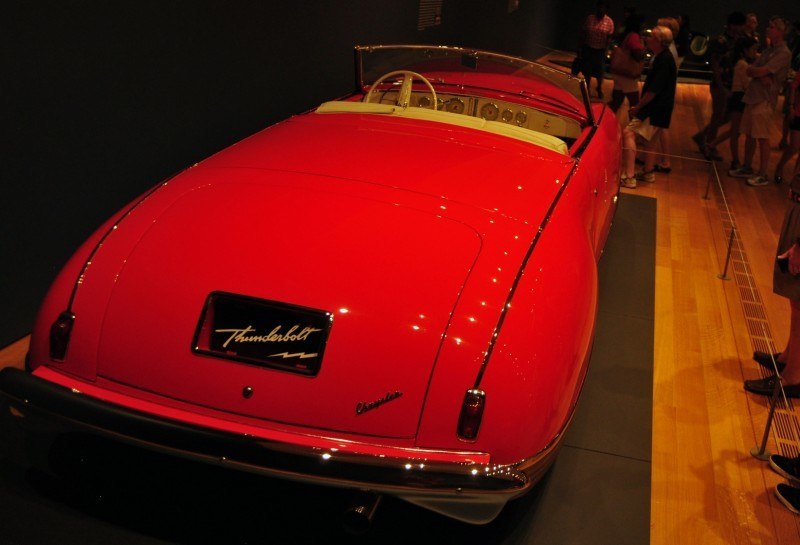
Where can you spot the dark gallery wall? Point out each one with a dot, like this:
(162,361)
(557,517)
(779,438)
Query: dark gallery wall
(102,100)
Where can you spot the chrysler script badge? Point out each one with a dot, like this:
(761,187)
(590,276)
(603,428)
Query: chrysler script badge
(364,406)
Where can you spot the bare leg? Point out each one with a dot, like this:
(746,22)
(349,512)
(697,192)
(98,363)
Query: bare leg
(719,107)
(788,152)
(628,152)
(617,99)
(721,137)
(598,86)
(649,156)
(736,122)
(784,131)
(749,150)
(763,151)
(663,139)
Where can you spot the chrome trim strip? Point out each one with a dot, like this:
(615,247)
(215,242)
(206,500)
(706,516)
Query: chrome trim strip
(527,257)
(79,280)
(517,278)
(41,401)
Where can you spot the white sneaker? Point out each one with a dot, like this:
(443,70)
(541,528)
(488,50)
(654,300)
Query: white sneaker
(648,176)
(630,183)
(758,179)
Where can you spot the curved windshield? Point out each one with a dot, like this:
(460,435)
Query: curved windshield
(454,66)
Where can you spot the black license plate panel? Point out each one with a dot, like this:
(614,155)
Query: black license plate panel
(263,333)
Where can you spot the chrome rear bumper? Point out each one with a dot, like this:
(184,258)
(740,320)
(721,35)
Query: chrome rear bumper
(470,492)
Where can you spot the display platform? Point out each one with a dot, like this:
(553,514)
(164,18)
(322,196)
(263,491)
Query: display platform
(597,492)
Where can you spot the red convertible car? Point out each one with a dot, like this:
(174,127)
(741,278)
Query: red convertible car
(394,292)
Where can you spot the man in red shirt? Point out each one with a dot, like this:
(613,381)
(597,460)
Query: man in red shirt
(594,39)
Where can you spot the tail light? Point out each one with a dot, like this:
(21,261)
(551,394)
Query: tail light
(471,414)
(60,332)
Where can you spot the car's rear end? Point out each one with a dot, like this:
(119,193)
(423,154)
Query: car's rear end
(316,303)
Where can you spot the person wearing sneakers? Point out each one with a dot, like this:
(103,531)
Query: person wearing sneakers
(745,52)
(720,49)
(663,161)
(769,72)
(785,366)
(788,468)
(654,111)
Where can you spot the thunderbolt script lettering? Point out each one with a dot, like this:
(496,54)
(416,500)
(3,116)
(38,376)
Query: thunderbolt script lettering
(241,335)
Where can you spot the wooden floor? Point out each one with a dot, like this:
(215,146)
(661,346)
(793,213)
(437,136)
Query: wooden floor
(706,486)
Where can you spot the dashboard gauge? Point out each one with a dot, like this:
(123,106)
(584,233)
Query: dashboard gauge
(521,118)
(424,102)
(507,115)
(455,105)
(490,111)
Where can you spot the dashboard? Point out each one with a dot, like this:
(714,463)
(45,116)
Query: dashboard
(493,109)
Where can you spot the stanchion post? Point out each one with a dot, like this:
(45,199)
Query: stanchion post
(724,275)
(761,452)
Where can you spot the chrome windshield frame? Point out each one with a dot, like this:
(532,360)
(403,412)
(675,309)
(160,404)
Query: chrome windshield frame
(557,77)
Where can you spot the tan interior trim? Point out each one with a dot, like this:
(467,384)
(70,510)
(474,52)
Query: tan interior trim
(494,127)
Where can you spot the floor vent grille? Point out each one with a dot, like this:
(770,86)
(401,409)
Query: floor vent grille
(786,426)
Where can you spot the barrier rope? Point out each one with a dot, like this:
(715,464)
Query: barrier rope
(779,393)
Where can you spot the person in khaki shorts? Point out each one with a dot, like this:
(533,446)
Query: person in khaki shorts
(654,111)
(768,73)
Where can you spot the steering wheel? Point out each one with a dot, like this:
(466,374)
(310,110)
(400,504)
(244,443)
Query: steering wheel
(404,96)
